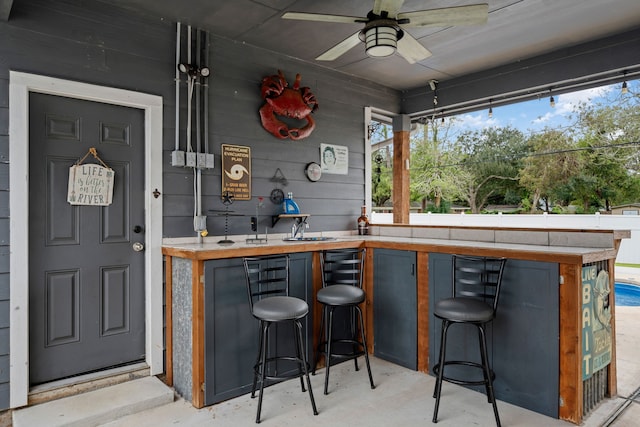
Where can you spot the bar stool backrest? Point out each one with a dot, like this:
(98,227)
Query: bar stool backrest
(478,277)
(267,276)
(342,267)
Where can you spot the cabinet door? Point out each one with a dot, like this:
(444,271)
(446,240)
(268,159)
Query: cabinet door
(232,333)
(523,340)
(395,307)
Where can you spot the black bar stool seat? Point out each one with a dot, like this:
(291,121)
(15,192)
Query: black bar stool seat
(340,295)
(463,310)
(280,308)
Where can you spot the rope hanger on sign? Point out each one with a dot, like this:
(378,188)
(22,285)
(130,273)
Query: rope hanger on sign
(94,153)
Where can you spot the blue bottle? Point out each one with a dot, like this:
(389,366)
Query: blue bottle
(289,206)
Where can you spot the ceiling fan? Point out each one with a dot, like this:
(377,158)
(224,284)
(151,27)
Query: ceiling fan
(383,31)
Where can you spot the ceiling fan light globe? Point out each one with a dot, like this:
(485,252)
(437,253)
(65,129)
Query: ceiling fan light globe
(380,41)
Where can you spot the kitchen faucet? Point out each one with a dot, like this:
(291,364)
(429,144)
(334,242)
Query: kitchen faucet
(298,227)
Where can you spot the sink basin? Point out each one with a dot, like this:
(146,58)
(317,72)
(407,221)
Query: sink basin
(307,239)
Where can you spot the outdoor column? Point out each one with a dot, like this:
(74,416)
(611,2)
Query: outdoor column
(401,156)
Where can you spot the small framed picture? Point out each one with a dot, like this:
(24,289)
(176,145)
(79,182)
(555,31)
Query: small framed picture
(334,159)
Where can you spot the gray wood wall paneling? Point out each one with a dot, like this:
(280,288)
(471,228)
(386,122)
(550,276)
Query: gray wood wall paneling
(234,100)
(101,44)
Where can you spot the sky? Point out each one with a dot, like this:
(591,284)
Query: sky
(534,116)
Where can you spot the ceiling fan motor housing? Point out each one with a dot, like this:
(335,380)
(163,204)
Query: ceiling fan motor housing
(381,37)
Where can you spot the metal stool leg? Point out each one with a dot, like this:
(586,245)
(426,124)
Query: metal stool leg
(263,368)
(328,353)
(355,347)
(305,369)
(487,373)
(438,387)
(257,364)
(299,352)
(321,342)
(364,345)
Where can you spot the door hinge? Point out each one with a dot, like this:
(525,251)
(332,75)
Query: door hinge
(202,387)
(202,279)
(561,280)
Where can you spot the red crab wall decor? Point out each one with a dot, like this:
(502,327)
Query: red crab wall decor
(295,102)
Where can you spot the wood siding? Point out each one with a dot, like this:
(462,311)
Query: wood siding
(97,43)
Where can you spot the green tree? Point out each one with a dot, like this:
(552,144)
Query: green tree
(551,164)
(490,160)
(610,138)
(432,176)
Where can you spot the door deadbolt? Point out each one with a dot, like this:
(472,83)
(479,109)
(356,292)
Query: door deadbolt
(138,229)
(137,246)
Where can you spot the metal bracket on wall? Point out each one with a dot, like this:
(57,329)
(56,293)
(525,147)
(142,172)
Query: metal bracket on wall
(298,217)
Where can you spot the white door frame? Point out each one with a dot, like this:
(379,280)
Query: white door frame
(20,84)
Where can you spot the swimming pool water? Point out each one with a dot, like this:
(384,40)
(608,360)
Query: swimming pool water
(627,295)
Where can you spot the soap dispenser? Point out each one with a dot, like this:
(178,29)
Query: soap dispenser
(289,206)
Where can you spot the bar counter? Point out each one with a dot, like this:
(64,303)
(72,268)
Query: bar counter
(568,250)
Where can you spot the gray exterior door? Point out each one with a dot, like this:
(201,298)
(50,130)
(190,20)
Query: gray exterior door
(86,283)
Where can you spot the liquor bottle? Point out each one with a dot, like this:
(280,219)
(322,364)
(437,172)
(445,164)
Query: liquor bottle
(363,222)
(289,206)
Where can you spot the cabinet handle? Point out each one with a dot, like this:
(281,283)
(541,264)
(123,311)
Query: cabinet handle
(413,269)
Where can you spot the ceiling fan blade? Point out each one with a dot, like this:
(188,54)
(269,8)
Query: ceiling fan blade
(461,15)
(318,17)
(411,49)
(391,6)
(341,48)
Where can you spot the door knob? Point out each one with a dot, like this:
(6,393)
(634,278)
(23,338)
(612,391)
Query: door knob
(138,246)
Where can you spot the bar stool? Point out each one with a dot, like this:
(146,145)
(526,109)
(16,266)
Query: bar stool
(268,289)
(476,283)
(342,274)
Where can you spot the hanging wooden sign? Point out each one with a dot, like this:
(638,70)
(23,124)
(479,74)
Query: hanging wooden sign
(90,184)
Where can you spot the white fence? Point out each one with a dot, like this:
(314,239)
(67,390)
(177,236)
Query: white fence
(629,248)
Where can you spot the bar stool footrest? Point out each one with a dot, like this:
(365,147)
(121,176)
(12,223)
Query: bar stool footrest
(342,355)
(284,376)
(436,370)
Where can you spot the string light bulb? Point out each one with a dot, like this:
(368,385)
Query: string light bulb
(625,90)
(490,110)
(552,102)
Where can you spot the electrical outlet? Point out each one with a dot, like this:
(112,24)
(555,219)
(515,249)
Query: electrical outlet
(254,223)
(191,159)
(209,161)
(177,158)
(200,223)
(202,161)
